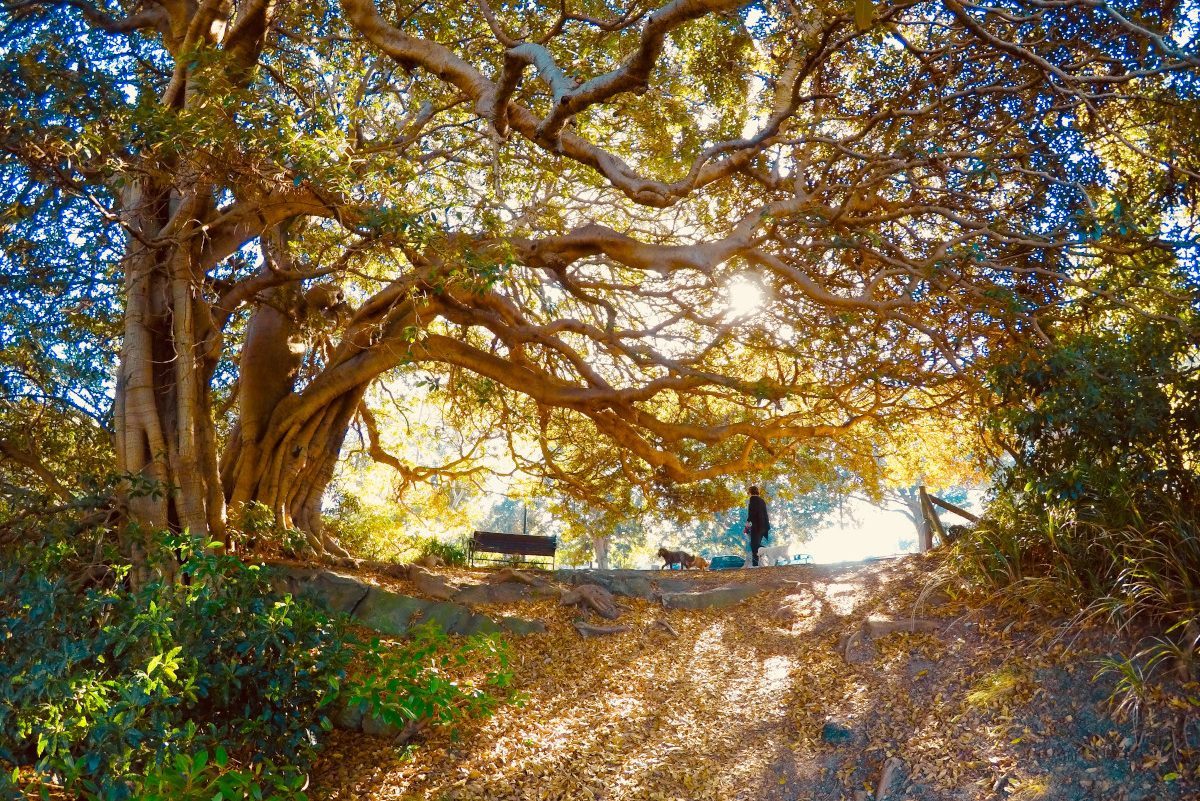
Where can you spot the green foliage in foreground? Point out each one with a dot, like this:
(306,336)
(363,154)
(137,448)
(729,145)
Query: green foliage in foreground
(209,688)
(108,688)
(419,683)
(1100,508)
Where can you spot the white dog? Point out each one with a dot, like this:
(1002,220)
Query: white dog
(773,555)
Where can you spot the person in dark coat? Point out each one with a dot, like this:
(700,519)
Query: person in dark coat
(758,524)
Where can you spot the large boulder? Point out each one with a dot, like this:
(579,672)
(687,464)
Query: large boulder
(455,619)
(393,613)
(626,583)
(717,598)
(506,593)
(431,584)
(334,591)
(388,612)
(521,626)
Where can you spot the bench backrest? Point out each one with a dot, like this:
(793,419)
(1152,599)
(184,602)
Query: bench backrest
(523,544)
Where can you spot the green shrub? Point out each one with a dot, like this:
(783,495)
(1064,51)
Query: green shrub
(211,687)
(368,531)
(428,680)
(1105,424)
(111,689)
(449,552)
(1100,508)
(381,532)
(261,534)
(200,777)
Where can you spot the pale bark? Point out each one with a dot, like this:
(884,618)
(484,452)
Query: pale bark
(600,549)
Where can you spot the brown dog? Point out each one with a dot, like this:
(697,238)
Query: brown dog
(681,558)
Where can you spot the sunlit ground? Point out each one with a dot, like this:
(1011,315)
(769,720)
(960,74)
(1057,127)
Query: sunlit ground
(736,708)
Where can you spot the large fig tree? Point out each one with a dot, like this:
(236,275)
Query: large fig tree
(543,210)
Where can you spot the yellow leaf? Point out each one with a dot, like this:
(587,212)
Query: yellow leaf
(864,12)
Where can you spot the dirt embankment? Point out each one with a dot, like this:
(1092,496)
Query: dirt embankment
(817,686)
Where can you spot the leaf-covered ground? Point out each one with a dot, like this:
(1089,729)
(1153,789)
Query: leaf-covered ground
(775,699)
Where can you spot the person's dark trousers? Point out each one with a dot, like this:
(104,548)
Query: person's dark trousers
(755,543)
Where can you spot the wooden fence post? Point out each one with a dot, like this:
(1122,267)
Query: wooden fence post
(932,523)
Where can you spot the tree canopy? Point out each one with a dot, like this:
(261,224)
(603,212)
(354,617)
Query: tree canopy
(534,215)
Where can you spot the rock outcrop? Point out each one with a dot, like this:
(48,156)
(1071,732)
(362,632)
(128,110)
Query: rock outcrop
(716,598)
(390,612)
(626,583)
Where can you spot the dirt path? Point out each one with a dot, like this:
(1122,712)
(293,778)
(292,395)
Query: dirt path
(766,700)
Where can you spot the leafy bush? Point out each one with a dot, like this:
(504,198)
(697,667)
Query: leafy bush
(378,533)
(262,534)
(202,778)
(115,690)
(427,680)
(1100,505)
(450,553)
(211,687)
(366,531)
(1104,424)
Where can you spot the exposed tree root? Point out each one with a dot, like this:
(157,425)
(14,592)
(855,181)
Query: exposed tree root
(589,630)
(594,597)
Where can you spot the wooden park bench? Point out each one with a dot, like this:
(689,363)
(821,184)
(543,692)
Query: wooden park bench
(509,545)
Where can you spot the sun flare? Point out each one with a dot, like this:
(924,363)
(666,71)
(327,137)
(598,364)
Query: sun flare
(745,297)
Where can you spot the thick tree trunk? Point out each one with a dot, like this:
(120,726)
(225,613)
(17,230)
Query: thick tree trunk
(165,441)
(287,469)
(283,453)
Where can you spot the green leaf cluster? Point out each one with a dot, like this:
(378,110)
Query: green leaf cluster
(429,680)
(126,694)
(1098,505)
